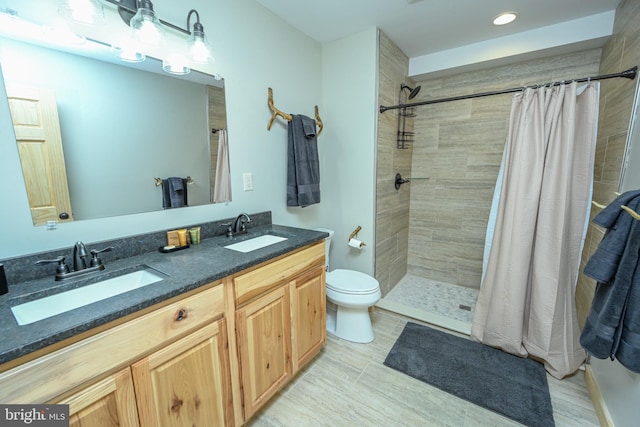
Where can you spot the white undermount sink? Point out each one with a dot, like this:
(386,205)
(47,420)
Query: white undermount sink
(52,305)
(255,243)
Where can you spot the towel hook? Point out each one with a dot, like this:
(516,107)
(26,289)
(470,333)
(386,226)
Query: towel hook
(286,116)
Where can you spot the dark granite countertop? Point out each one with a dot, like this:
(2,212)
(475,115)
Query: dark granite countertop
(186,269)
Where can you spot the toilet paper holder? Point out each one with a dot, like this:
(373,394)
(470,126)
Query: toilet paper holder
(354,235)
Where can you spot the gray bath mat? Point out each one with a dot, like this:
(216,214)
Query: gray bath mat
(509,385)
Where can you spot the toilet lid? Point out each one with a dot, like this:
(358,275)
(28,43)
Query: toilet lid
(351,282)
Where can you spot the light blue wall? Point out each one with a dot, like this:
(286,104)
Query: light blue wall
(254,50)
(349,93)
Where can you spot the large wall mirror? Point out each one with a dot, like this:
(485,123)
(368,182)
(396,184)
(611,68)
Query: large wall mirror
(121,127)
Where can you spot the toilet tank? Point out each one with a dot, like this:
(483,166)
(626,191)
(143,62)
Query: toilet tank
(327,244)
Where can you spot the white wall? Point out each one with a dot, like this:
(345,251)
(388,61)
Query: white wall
(254,50)
(348,145)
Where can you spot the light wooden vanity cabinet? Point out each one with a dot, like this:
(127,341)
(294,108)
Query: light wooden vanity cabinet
(186,383)
(169,366)
(211,357)
(110,402)
(280,322)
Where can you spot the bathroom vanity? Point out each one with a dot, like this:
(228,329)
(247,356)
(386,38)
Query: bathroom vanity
(205,346)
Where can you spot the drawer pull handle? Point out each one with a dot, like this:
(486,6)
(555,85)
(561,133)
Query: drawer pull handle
(180,315)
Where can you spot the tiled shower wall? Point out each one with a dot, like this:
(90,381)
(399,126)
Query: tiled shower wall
(621,52)
(392,207)
(458,148)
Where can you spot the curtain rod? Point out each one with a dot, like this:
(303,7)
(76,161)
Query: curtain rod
(629,74)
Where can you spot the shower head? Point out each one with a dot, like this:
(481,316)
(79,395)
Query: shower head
(412,91)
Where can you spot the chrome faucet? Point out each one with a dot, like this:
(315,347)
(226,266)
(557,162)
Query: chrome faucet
(239,224)
(79,255)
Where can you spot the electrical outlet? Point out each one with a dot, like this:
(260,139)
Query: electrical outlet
(247,181)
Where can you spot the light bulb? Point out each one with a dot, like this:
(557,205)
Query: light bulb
(146,27)
(199,49)
(504,18)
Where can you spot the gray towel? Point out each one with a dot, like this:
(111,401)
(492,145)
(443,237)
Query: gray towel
(612,328)
(174,193)
(303,166)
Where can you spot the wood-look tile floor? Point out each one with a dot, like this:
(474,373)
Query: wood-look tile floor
(348,385)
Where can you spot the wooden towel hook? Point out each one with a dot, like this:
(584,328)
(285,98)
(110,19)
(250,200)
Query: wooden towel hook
(286,116)
(630,211)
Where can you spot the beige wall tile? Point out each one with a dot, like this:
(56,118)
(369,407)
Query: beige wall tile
(616,102)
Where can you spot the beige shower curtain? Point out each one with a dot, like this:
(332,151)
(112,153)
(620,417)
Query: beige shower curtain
(222,185)
(526,304)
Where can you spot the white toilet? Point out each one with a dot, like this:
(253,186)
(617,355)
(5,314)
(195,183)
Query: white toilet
(353,293)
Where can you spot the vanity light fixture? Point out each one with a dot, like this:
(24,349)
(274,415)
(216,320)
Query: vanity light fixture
(146,29)
(504,18)
(145,25)
(88,12)
(198,45)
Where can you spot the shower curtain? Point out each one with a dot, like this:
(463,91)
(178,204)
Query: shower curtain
(222,185)
(526,304)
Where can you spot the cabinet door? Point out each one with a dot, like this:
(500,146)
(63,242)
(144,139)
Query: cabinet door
(308,306)
(108,403)
(186,383)
(264,346)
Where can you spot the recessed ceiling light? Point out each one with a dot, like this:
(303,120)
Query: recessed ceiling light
(504,18)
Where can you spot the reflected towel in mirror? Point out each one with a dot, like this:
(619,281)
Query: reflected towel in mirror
(174,193)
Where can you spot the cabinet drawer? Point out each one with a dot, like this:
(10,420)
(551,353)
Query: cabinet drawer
(248,286)
(44,378)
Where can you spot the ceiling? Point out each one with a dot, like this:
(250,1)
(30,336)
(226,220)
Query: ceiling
(423,27)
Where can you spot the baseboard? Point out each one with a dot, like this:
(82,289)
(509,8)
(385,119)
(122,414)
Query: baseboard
(596,398)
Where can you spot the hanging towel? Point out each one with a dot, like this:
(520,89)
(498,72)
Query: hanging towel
(222,184)
(174,193)
(612,328)
(303,166)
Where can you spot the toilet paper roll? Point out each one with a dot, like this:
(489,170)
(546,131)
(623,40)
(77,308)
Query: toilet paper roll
(354,243)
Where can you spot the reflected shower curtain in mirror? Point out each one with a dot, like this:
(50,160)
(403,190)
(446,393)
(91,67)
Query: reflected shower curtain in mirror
(526,304)
(222,185)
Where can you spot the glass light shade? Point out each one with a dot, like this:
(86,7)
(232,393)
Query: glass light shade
(199,48)
(87,12)
(176,64)
(146,27)
(129,54)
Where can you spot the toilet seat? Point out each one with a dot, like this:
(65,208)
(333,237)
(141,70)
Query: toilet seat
(351,282)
